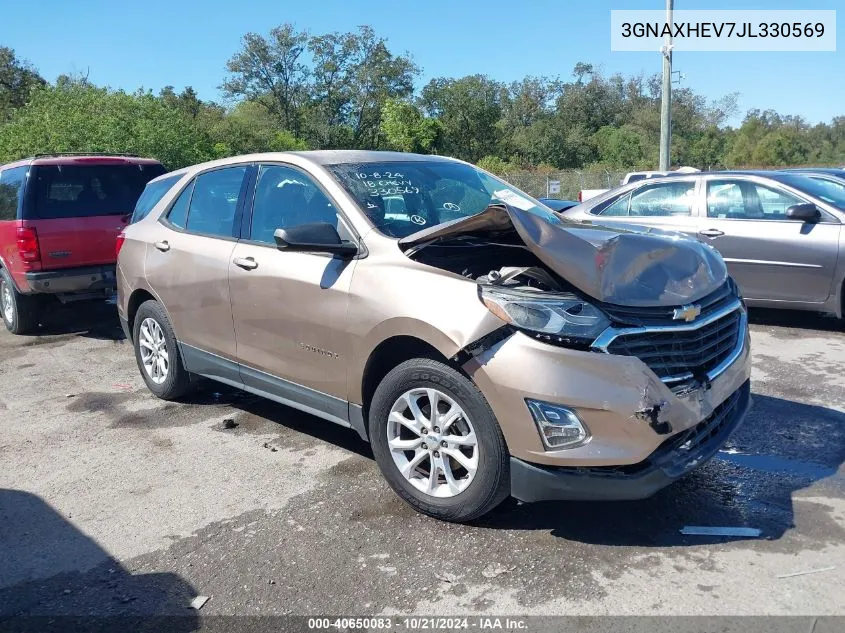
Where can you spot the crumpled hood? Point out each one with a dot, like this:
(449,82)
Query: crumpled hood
(628,266)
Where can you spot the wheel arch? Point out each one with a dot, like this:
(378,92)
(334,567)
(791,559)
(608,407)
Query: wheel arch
(136,299)
(390,353)
(3,266)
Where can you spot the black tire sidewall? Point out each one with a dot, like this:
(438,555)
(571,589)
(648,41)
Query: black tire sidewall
(491,483)
(4,279)
(24,308)
(177,379)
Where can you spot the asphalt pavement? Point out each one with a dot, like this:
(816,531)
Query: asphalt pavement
(113,502)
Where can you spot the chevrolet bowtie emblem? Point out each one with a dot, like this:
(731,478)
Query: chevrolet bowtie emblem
(686,313)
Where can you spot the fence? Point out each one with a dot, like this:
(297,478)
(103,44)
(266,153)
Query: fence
(571,181)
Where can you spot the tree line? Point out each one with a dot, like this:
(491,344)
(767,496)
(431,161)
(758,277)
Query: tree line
(290,89)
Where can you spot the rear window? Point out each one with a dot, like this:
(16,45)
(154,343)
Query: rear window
(153,193)
(78,191)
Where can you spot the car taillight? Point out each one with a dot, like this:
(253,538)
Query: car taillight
(121,238)
(580,196)
(28,248)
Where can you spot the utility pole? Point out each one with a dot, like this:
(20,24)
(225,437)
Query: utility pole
(666,102)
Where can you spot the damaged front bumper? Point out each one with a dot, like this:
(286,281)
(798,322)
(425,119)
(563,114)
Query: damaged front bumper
(676,457)
(644,432)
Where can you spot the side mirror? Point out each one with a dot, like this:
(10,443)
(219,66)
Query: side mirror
(317,237)
(806,212)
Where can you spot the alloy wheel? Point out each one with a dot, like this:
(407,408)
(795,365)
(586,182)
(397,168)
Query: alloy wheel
(6,302)
(153,348)
(432,442)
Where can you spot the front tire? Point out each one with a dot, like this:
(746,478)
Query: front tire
(437,441)
(19,311)
(157,352)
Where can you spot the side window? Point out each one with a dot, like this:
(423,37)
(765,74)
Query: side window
(11,189)
(618,208)
(286,197)
(178,215)
(153,193)
(775,203)
(745,200)
(215,202)
(663,200)
(660,200)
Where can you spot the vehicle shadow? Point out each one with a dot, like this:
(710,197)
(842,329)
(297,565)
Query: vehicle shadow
(795,319)
(88,319)
(782,448)
(55,578)
(212,393)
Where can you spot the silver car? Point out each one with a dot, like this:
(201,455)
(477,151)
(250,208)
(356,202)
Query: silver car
(780,233)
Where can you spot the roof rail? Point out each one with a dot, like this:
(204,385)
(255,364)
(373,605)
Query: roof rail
(59,154)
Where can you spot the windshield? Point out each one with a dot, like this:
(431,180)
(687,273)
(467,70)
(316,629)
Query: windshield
(401,198)
(829,190)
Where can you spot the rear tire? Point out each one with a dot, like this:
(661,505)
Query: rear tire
(19,311)
(157,353)
(467,457)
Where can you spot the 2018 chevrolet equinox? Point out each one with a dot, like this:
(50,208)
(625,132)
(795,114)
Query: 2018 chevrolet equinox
(483,345)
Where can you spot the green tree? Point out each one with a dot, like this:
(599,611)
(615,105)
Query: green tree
(17,80)
(186,100)
(621,147)
(468,109)
(783,146)
(529,133)
(754,127)
(708,149)
(355,74)
(496,165)
(249,128)
(61,119)
(404,128)
(273,72)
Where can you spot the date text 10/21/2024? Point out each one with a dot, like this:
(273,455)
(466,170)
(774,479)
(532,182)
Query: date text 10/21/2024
(420,623)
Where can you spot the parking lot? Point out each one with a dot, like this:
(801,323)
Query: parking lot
(114,502)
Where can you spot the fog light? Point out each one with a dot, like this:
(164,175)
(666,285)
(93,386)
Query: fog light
(559,427)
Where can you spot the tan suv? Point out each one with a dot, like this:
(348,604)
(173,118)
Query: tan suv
(483,345)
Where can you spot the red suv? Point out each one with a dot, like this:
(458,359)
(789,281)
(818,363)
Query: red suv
(60,216)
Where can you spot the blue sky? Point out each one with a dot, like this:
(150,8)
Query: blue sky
(153,43)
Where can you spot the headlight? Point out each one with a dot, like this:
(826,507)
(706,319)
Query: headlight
(563,317)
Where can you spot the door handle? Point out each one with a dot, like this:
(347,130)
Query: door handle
(162,246)
(247,263)
(711,232)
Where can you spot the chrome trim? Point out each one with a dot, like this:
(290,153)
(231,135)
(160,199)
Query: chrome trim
(768,262)
(611,334)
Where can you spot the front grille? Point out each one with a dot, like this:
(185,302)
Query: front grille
(678,354)
(645,316)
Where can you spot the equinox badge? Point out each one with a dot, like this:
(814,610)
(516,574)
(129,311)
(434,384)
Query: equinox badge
(686,313)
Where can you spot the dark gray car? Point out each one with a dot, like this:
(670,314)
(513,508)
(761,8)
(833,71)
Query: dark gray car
(780,233)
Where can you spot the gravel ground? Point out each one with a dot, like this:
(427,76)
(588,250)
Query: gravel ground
(112,502)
